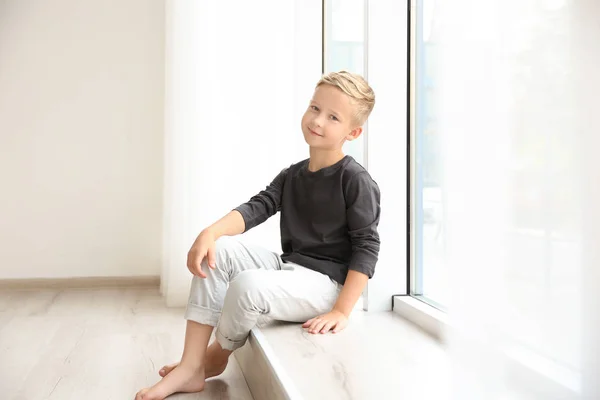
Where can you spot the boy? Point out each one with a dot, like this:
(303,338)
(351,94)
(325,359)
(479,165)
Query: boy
(329,215)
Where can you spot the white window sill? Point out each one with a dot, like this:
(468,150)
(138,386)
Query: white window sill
(299,365)
(428,318)
(530,371)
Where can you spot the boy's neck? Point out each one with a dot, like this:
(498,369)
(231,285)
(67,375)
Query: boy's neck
(320,159)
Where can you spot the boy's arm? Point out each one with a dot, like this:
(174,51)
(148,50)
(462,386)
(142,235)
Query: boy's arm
(230,225)
(204,246)
(257,210)
(337,318)
(363,211)
(350,293)
(362,214)
(248,215)
(265,204)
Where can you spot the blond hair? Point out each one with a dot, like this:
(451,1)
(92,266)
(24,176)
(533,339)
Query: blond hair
(357,88)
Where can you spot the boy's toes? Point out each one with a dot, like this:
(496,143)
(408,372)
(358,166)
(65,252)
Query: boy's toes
(164,371)
(145,394)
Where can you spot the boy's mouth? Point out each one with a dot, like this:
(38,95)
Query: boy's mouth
(313,132)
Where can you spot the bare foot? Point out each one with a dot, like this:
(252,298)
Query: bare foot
(215,363)
(181,379)
(211,369)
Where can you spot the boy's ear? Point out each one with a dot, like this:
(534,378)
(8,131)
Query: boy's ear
(355,133)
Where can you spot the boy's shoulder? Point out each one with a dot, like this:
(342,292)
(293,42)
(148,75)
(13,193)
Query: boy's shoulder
(353,167)
(357,179)
(354,171)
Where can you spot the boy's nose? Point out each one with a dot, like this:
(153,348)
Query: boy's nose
(318,121)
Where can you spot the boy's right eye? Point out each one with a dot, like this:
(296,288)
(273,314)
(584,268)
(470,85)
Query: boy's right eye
(314,108)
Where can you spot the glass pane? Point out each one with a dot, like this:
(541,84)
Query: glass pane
(430,275)
(544,237)
(345,48)
(505,216)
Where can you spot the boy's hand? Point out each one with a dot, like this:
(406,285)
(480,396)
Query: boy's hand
(203,247)
(333,320)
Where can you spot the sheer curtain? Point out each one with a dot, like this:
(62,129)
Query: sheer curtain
(239,76)
(520,127)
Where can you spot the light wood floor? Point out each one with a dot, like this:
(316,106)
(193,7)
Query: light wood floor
(94,344)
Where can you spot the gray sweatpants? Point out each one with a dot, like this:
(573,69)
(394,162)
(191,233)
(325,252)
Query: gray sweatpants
(251,282)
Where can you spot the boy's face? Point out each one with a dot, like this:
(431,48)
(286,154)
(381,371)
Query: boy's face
(329,120)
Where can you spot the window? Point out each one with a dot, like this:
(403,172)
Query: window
(344,49)
(507,189)
(429,276)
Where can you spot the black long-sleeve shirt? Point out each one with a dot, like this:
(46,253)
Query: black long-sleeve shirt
(329,218)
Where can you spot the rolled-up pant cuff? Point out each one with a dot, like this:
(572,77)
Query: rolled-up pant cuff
(228,344)
(202,315)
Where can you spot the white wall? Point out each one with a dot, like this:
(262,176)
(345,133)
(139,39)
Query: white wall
(237,85)
(81,133)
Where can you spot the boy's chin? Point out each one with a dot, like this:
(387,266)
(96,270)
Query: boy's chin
(311,140)
(313,145)
(316,143)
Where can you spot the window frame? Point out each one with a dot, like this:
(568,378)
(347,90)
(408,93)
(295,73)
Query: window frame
(415,269)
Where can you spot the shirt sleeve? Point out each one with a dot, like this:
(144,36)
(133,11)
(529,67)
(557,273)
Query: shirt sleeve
(362,214)
(265,204)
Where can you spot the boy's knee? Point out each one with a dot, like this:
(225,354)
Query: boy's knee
(222,244)
(224,247)
(248,287)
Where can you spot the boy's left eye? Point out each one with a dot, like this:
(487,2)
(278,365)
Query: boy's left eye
(333,117)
